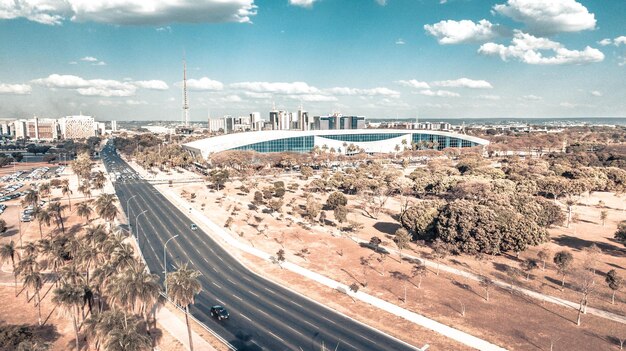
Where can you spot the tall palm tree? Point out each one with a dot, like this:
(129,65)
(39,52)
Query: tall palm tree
(43,217)
(85,189)
(57,210)
(123,256)
(182,286)
(65,190)
(34,281)
(87,256)
(32,198)
(84,210)
(44,190)
(69,298)
(129,338)
(105,207)
(96,236)
(9,252)
(30,248)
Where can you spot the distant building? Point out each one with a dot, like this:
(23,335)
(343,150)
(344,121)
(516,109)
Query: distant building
(114,126)
(78,127)
(42,129)
(303,120)
(338,121)
(216,125)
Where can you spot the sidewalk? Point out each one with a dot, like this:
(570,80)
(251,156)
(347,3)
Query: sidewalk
(178,329)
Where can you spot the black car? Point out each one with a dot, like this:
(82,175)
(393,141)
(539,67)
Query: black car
(219,312)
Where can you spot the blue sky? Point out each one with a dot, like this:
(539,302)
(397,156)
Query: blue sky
(121,60)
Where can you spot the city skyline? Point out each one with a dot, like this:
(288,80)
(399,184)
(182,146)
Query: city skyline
(515,58)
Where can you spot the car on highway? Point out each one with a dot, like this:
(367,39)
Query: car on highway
(194,226)
(219,312)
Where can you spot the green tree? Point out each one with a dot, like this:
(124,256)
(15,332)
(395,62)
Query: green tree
(420,220)
(614,281)
(402,239)
(341,214)
(620,234)
(182,286)
(335,200)
(33,280)
(56,209)
(65,189)
(306,172)
(563,260)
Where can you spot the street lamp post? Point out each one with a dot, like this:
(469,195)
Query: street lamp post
(137,225)
(128,209)
(165,262)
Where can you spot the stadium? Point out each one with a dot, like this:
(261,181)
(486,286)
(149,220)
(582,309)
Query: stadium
(341,141)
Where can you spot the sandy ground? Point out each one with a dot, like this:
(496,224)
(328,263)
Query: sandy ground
(514,322)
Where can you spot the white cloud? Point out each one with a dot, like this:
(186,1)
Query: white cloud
(254,95)
(595,93)
(489,97)
(605,42)
(203,84)
(400,41)
(382,2)
(97,87)
(619,40)
(129,12)
(413,83)
(164,29)
(276,87)
(438,93)
(530,49)
(73,63)
(302,3)
(548,16)
(464,83)
(15,89)
(232,98)
(380,91)
(89,59)
(312,98)
(99,63)
(531,97)
(152,84)
(455,32)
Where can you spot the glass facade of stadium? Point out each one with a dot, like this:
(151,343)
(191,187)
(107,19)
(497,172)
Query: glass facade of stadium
(306,143)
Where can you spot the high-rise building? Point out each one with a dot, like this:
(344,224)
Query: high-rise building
(255,121)
(351,122)
(303,120)
(42,129)
(217,125)
(114,126)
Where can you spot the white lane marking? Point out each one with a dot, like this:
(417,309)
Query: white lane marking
(246,278)
(253,293)
(280,308)
(220,301)
(232,282)
(237,297)
(309,323)
(366,338)
(270,290)
(297,304)
(213,268)
(333,322)
(214,283)
(205,260)
(276,336)
(246,317)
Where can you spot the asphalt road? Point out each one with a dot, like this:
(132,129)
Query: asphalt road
(263,315)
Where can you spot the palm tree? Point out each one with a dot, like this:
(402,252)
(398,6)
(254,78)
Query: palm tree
(57,210)
(69,298)
(84,210)
(65,189)
(32,198)
(99,180)
(43,217)
(30,249)
(128,338)
(96,236)
(85,189)
(8,252)
(122,256)
(44,190)
(86,256)
(182,285)
(34,281)
(105,207)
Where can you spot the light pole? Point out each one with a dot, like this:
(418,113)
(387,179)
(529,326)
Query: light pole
(128,209)
(165,262)
(137,225)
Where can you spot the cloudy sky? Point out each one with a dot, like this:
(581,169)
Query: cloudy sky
(122,59)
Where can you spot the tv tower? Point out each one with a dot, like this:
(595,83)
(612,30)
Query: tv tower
(185,103)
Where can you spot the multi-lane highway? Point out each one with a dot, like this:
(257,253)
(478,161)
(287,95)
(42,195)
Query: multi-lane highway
(263,315)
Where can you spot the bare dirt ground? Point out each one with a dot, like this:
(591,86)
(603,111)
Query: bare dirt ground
(515,322)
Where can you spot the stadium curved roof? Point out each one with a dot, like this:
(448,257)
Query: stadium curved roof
(244,141)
